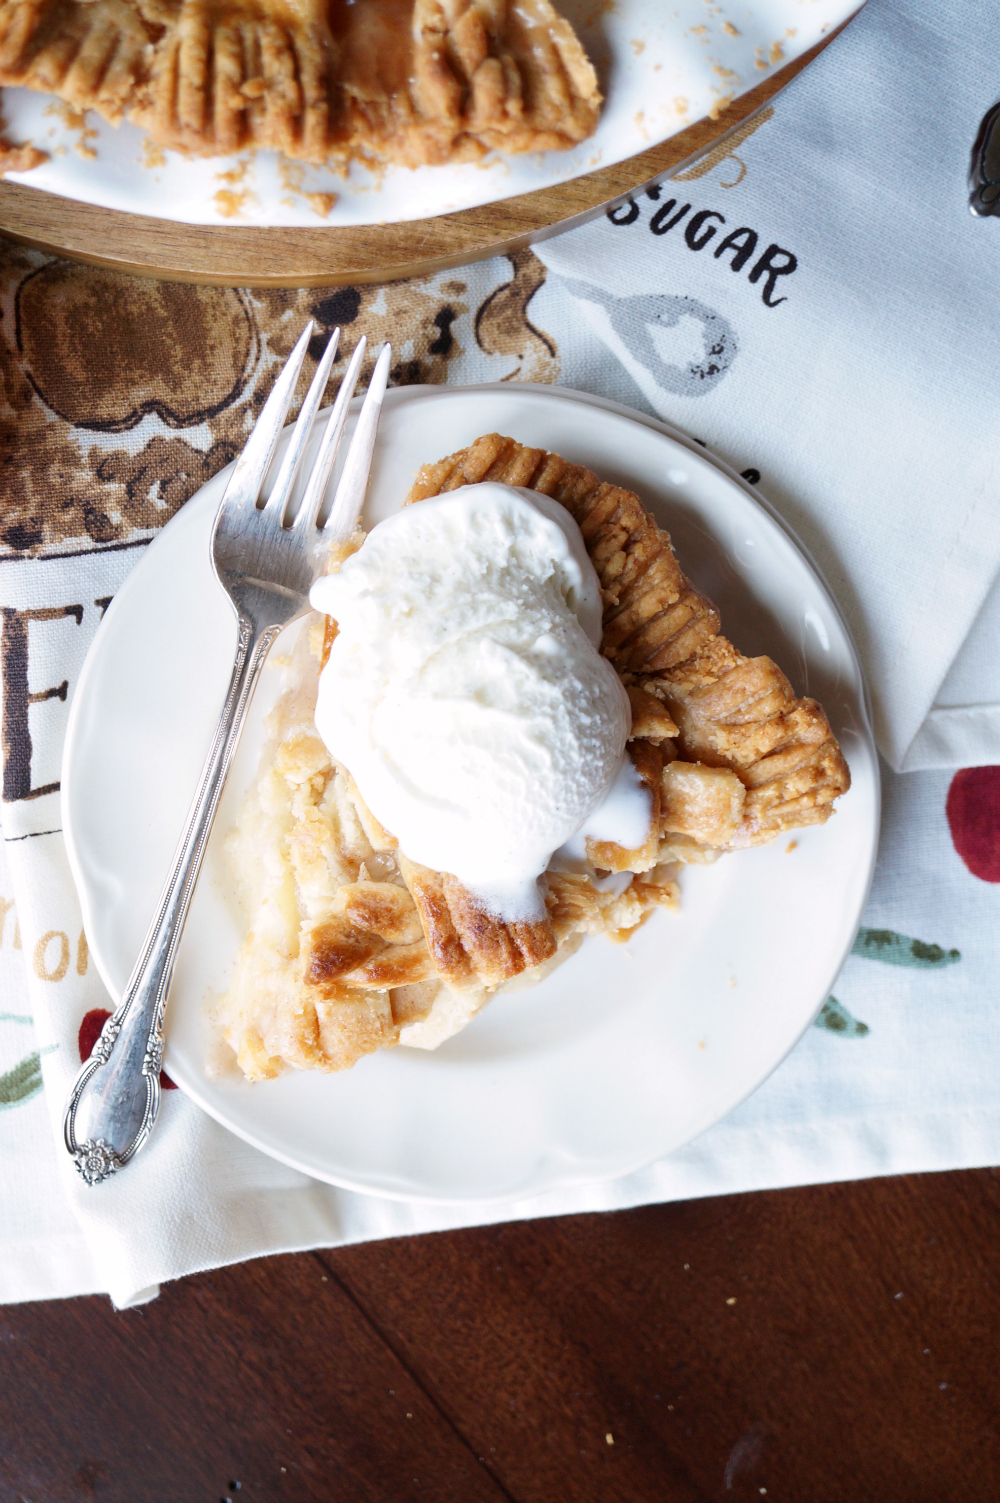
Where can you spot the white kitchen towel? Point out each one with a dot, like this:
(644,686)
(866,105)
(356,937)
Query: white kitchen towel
(816,302)
(899,1073)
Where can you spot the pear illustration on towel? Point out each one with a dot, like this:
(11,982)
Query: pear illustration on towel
(685,346)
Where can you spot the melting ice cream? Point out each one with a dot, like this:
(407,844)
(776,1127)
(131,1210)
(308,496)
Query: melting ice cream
(466,694)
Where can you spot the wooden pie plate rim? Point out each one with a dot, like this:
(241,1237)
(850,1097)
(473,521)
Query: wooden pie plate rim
(254,256)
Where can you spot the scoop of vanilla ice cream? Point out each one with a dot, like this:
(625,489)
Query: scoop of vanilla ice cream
(464,690)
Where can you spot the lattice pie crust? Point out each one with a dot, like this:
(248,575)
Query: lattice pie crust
(354,948)
(383,81)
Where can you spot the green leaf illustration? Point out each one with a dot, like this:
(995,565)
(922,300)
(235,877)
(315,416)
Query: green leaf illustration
(835,1017)
(899,949)
(22,1083)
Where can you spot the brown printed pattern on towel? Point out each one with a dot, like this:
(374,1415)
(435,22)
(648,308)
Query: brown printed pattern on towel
(122,396)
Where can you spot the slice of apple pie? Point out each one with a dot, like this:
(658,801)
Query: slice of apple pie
(382,81)
(353,947)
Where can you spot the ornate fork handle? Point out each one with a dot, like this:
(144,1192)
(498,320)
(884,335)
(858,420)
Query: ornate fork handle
(116,1096)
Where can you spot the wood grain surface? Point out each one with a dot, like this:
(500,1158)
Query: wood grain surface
(835,1344)
(250,256)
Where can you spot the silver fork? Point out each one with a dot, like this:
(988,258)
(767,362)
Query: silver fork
(266,563)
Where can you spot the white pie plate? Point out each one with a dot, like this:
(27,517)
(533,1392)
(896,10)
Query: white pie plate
(661,68)
(624,1053)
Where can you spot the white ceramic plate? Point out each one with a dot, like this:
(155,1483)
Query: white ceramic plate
(661,68)
(626,1051)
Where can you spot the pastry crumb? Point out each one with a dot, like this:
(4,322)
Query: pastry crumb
(721,104)
(153,154)
(321,203)
(231,203)
(74,118)
(19,158)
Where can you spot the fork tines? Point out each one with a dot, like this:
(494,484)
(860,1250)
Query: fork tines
(253,464)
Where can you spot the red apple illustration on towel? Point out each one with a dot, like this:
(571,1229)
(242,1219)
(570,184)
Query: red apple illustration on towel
(973,810)
(90,1028)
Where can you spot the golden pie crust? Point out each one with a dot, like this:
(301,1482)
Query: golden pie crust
(412,82)
(733,714)
(355,948)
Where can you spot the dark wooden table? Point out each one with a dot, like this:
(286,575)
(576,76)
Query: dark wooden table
(836,1343)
